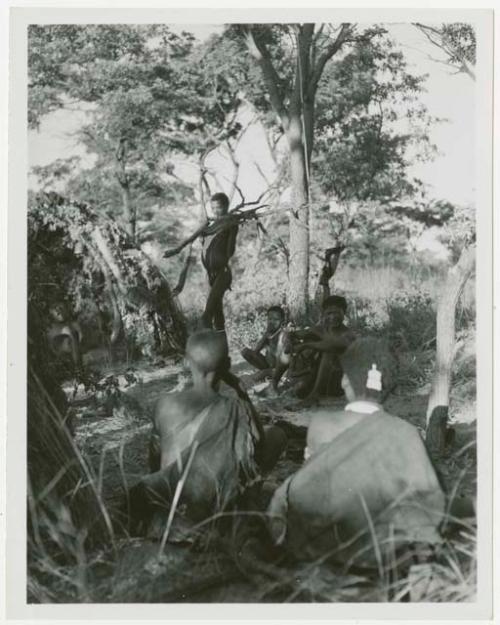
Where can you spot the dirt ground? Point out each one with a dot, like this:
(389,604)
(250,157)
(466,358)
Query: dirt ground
(114,437)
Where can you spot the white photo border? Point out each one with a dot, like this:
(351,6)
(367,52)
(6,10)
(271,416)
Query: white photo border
(17,607)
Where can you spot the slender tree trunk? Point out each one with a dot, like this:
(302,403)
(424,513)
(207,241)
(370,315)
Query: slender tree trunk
(298,286)
(129,212)
(308,121)
(297,120)
(169,315)
(439,399)
(117,323)
(103,249)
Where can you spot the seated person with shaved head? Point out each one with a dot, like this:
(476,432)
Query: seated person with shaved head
(319,348)
(205,448)
(368,487)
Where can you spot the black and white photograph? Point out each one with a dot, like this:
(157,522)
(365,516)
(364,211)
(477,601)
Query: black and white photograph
(252,309)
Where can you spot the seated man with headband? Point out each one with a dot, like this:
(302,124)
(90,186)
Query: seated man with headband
(368,487)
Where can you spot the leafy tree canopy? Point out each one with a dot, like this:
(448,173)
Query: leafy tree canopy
(147,96)
(371,125)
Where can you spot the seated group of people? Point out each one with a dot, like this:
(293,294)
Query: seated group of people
(367,485)
(310,355)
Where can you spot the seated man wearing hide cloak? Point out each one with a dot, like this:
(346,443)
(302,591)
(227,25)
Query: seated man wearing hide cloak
(205,448)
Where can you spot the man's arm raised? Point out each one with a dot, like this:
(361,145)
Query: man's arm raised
(190,239)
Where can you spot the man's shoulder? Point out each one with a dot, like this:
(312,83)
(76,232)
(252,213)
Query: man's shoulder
(171,403)
(171,398)
(322,418)
(224,223)
(346,331)
(396,424)
(325,413)
(175,409)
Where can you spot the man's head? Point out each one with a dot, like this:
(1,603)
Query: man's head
(58,312)
(207,352)
(333,311)
(219,203)
(275,318)
(361,378)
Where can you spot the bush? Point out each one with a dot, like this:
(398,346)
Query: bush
(411,320)
(407,319)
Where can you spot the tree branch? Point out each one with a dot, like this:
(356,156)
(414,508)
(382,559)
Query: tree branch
(436,37)
(261,54)
(327,54)
(467,69)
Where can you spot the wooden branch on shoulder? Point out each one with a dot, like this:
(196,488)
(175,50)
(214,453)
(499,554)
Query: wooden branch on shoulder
(234,217)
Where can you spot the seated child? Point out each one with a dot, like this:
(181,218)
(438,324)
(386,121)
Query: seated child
(220,437)
(274,361)
(321,347)
(368,486)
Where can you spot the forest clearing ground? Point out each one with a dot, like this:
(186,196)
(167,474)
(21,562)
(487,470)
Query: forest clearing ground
(115,440)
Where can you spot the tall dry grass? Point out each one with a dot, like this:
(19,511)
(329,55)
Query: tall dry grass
(70,527)
(66,515)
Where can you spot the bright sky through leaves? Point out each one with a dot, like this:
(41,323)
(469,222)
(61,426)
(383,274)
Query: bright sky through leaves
(450,176)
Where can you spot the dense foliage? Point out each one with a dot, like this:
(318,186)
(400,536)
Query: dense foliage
(146,94)
(87,262)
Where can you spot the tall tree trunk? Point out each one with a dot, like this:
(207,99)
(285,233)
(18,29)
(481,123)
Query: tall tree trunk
(129,212)
(298,286)
(308,120)
(439,399)
(297,120)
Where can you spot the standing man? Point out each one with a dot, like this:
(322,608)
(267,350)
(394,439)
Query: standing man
(218,244)
(219,241)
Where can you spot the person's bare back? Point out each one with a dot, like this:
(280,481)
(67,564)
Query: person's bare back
(174,412)
(203,443)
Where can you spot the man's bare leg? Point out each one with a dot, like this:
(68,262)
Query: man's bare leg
(278,372)
(255,359)
(326,383)
(213,316)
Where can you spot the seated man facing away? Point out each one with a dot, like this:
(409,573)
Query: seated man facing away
(274,361)
(321,346)
(368,487)
(214,446)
